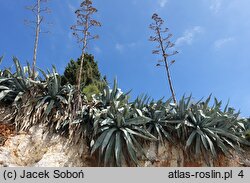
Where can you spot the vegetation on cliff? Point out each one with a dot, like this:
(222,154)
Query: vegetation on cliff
(114,128)
(81,106)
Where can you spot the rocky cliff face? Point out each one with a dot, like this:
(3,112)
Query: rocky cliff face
(174,156)
(34,148)
(40,150)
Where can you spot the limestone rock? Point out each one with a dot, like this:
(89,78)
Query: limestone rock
(36,149)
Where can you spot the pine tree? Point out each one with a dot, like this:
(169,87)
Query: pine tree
(90,74)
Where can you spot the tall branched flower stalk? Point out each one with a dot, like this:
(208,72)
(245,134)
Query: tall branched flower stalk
(81,32)
(39,10)
(164,44)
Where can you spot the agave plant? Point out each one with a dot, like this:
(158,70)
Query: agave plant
(232,118)
(158,125)
(46,104)
(117,134)
(179,113)
(1,72)
(213,131)
(15,84)
(141,102)
(247,129)
(43,76)
(247,124)
(6,92)
(81,126)
(4,72)
(55,95)
(109,96)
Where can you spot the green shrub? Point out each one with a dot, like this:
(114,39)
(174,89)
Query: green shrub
(90,90)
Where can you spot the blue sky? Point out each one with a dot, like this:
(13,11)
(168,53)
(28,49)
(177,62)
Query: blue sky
(212,37)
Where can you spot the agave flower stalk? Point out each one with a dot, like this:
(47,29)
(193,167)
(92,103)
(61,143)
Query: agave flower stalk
(81,32)
(164,43)
(38,10)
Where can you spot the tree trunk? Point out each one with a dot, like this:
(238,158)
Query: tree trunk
(38,21)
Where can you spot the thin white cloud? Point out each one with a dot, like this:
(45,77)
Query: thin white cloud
(131,45)
(162,3)
(71,7)
(215,5)
(97,49)
(222,42)
(70,36)
(119,47)
(134,2)
(189,36)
